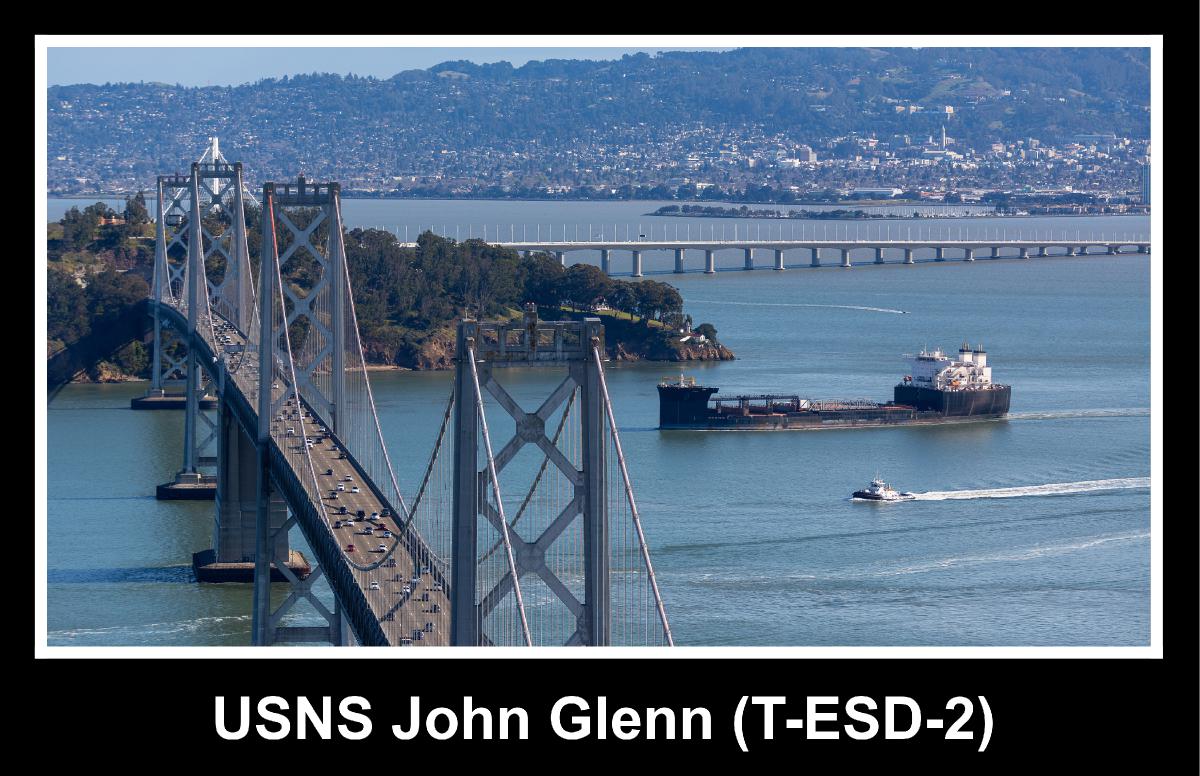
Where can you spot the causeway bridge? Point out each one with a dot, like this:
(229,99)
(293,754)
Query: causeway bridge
(558,556)
(888,244)
(842,253)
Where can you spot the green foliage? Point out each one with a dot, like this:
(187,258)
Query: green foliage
(67,316)
(135,210)
(78,228)
(708,330)
(406,296)
(133,359)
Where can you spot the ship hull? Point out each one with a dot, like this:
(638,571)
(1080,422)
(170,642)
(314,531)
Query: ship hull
(680,409)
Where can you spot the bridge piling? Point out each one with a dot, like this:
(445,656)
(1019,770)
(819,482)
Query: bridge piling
(846,258)
(939,254)
(749,258)
(679,261)
(816,257)
(637,264)
(604,266)
(710,267)
(968,254)
(879,255)
(779,259)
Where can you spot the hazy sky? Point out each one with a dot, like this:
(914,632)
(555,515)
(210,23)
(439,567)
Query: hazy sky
(232,66)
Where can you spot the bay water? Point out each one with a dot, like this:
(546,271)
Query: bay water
(1033,530)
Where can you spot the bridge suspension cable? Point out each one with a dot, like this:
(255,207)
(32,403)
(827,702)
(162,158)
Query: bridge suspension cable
(499,503)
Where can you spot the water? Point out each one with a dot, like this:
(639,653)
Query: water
(1029,531)
(506,220)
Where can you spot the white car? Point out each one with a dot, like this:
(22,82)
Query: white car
(341,487)
(374,586)
(354,489)
(406,590)
(382,548)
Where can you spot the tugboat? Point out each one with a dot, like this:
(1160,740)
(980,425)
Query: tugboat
(879,490)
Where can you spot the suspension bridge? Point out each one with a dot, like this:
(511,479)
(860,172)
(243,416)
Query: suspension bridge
(552,554)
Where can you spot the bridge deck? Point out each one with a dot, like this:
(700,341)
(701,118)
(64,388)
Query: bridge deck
(409,611)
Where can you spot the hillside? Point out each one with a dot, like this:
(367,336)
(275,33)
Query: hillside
(534,124)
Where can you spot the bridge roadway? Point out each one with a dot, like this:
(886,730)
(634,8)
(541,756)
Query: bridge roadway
(969,248)
(410,611)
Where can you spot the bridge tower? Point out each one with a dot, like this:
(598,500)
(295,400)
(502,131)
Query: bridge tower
(187,248)
(580,549)
(293,375)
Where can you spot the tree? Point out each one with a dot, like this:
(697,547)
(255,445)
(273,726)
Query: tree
(543,279)
(135,211)
(585,285)
(650,298)
(672,302)
(78,228)
(66,308)
(622,297)
(707,330)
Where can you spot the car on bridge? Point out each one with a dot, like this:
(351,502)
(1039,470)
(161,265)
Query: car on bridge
(373,586)
(349,548)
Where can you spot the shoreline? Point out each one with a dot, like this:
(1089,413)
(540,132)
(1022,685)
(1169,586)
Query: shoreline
(860,204)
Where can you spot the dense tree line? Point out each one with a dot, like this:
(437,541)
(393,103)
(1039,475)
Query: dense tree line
(402,295)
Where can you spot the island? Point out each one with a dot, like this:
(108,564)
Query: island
(407,298)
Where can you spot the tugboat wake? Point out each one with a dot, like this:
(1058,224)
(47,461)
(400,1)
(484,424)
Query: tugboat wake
(1050,489)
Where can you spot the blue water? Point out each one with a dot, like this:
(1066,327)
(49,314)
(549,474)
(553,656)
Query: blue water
(752,534)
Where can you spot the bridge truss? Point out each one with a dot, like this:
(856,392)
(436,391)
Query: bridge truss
(560,559)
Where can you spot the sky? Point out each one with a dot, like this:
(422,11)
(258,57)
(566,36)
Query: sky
(234,66)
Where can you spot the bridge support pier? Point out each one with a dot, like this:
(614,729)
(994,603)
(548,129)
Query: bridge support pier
(1083,250)
(679,261)
(816,257)
(235,535)
(749,258)
(562,258)
(779,259)
(710,265)
(604,260)
(879,255)
(1024,253)
(1041,252)
(968,254)
(1070,250)
(637,264)
(939,254)
(846,258)
(1112,250)
(995,252)
(908,256)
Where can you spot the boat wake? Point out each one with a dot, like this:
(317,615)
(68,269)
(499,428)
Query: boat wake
(800,304)
(1128,412)
(1049,489)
